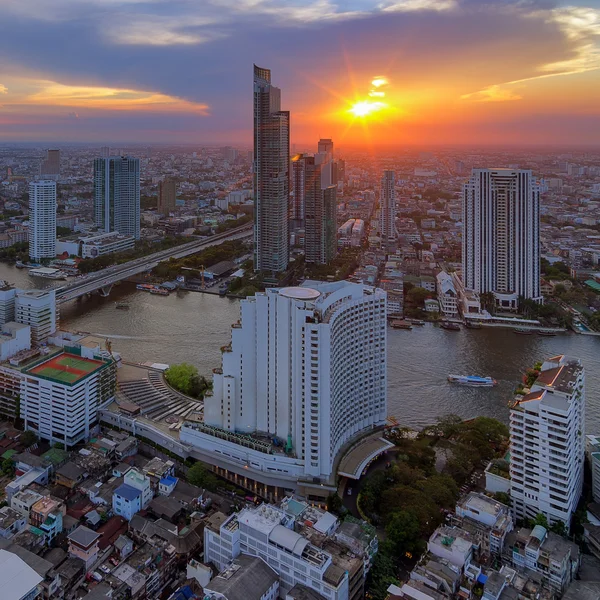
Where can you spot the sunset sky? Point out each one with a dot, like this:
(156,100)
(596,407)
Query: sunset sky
(375,71)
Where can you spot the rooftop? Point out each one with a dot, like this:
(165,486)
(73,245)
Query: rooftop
(18,578)
(65,368)
(128,492)
(83,536)
(248,578)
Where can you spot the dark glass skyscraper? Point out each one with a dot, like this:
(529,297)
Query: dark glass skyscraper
(271,176)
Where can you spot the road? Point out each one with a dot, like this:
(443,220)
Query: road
(107,277)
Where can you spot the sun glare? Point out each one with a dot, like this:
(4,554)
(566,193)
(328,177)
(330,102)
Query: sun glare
(365,108)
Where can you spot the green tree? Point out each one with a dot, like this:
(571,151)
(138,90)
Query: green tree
(334,503)
(7,467)
(541,519)
(403,531)
(200,476)
(502,497)
(28,438)
(185,378)
(383,573)
(559,528)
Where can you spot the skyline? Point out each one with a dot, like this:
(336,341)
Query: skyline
(453,72)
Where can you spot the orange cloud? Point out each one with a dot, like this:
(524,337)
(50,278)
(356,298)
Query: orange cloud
(492,93)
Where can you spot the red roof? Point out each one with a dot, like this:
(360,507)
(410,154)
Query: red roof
(111,530)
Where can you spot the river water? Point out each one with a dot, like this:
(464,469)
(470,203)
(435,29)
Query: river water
(192,327)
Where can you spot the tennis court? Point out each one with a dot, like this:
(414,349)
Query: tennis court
(66,368)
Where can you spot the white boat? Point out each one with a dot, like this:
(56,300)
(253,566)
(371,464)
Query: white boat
(48,273)
(472,380)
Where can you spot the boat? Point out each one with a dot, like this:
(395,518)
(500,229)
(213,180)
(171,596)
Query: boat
(159,292)
(145,287)
(416,322)
(472,380)
(399,324)
(521,331)
(122,305)
(48,273)
(473,325)
(28,265)
(450,326)
(546,332)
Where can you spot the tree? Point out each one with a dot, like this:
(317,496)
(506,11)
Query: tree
(7,467)
(403,531)
(502,497)
(559,528)
(28,438)
(185,378)
(334,503)
(541,519)
(383,573)
(200,476)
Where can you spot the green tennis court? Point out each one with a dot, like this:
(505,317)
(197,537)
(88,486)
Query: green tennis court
(66,368)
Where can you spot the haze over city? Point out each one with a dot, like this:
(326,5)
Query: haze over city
(364,72)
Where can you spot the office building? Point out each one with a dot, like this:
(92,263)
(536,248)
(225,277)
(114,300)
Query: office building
(298,189)
(50,167)
(61,394)
(167,195)
(592,451)
(547,442)
(37,308)
(117,195)
(271,176)
(307,366)
(42,219)
(320,214)
(387,208)
(268,532)
(324,157)
(501,235)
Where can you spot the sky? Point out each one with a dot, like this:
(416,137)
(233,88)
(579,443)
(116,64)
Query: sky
(364,72)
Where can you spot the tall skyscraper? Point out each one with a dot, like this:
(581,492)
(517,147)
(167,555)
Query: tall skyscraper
(117,194)
(42,219)
(50,168)
(167,195)
(306,365)
(547,444)
(324,157)
(298,189)
(501,235)
(271,176)
(387,204)
(320,214)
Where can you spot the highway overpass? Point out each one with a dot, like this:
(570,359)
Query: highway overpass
(103,280)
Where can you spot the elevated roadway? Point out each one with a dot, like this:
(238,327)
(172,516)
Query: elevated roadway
(103,280)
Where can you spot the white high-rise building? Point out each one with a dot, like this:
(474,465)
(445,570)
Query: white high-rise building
(117,195)
(387,204)
(592,450)
(271,176)
(37,308)
(501,235)
(307,367)
(42,219)
(547,443)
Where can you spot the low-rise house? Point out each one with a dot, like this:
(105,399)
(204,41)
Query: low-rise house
(69,475)
(47,516)
(23,501)
(453,544)
(83,544)
(123,546)
(11,522)
(133,495)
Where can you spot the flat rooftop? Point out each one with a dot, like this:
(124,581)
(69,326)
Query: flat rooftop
(66,368)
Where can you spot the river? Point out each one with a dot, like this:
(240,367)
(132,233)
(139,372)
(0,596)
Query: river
(191,327)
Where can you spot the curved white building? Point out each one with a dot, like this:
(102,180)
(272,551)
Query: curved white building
(42,219)
(305,373)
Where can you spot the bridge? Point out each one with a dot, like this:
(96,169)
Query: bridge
(104,280)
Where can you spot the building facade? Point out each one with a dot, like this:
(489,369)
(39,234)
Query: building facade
(42,219)
(37,308)
(117,195)
(50,167)
(271,176)
(501,235)
(306,366)
(167,196)
(447,296)
(133,495)
(592,451)
(387,205)
(547,443)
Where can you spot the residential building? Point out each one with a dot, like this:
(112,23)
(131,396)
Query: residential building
(307,366)
(167,196)
(8,295)
(47,516)
(447,296)
(61,395)
(14,337)
(246,578)
(551,556)
(501,235)
(11,522)
(37,308)
(267,532)
(117,195)
(547,442)
(271,176)
(83,544)
(299,162)
(133,495)
(592,450)
(387,208)
(42,219)
(50,167)
(453,544)
(19,580)
(23,500)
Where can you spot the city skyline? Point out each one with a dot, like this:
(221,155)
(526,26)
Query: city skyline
(405,72)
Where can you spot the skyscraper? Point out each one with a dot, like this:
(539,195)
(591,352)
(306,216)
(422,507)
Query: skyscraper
(547,444)
(298,189)
(387,204)
(271,176)
(320,214)
(50,168)
(117,194)
(324,157)
(501,235)
(42,219)
(306,365)
(167,195)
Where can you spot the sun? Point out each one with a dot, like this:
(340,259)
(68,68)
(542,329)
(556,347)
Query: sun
(365,108)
